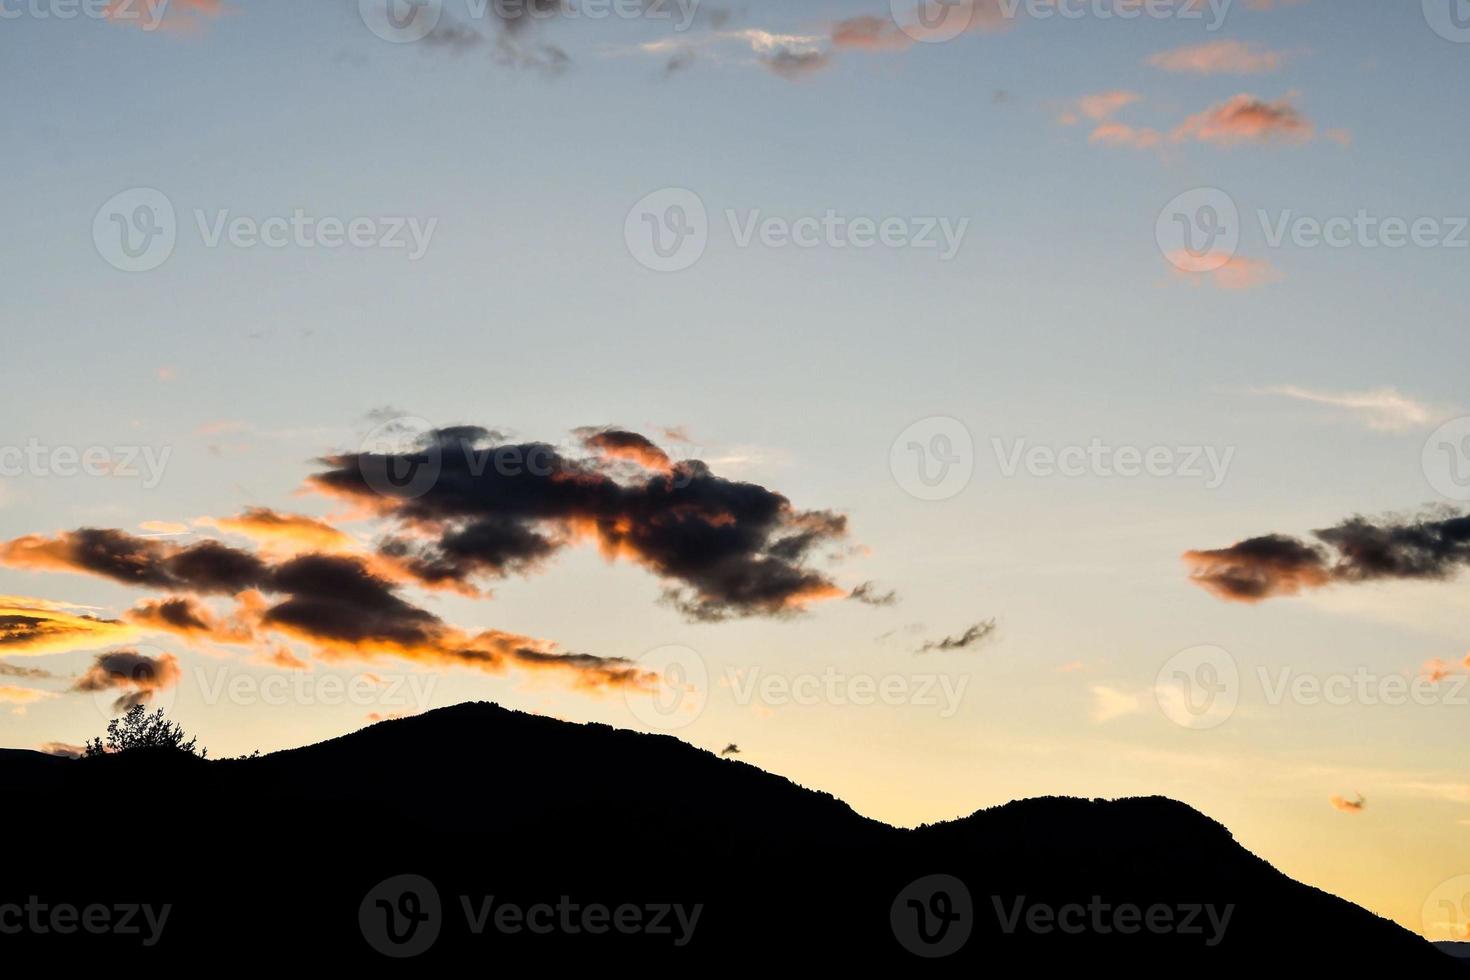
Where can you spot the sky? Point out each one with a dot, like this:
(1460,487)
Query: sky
(941,405)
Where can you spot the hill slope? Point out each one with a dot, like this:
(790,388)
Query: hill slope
(531,838)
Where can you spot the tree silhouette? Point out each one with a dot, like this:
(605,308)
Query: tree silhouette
(139,730)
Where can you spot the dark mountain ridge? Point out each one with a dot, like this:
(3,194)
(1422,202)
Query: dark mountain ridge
(282,856)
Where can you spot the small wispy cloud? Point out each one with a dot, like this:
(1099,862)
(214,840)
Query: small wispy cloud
(1355,805)
(1381,409)
(1234,272)
(1097,106)
(975,634)
(1219,58)
(1247,119)
(1111,703)
(791,56)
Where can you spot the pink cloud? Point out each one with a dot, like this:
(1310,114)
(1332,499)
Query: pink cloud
(1122,134)
(1247,119)
(1097,106)
(1219,58)
(1234,272)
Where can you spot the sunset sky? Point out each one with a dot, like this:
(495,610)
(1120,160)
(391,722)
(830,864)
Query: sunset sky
(257,246)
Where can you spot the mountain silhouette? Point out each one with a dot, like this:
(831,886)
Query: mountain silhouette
(479,837)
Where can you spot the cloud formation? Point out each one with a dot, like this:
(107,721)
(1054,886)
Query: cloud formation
(1356,550)
(1246,119)
(1382,409)
(869,594)
(22,696)
(1097,106)
(491,509)
(136,676)
(1219,58)
(1233,272)
(975,634)
(724,548)
(37,626)
(1345,805)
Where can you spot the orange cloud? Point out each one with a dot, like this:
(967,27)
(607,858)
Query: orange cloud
(983,16)
(617,444)
(1225,272)
(22,695)
(135,675)
(177,16)
(1097,106)
(870,34)
(65,749)
(191,620)
(37,626)
(1257,569)
(1246,119)
(1121,134)
(282,533)
(1355,805)
(1436,670)
(1219,57)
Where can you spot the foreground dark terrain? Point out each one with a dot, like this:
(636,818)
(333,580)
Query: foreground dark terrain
(540,842)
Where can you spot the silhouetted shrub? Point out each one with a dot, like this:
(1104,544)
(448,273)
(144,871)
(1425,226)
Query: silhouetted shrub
(139,730)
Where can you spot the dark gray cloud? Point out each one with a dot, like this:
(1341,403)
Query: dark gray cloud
(970,637)
(725,548)
(1428,548)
